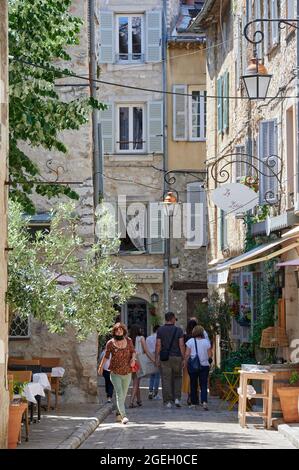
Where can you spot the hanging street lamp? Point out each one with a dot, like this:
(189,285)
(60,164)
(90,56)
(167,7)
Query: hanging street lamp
(256,78)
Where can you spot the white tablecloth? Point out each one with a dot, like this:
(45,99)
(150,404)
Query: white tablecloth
(57,372)
(32,389)
(42,379)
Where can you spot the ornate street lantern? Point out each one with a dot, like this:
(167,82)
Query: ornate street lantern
(256,80)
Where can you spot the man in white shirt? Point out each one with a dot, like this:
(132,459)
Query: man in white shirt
(154,378)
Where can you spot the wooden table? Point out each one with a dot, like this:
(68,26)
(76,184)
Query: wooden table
(266,396)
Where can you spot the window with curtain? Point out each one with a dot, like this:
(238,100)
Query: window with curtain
(129,40)
(130,128)
(197,114)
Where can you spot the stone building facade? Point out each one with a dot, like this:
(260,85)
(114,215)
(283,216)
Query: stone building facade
(133,52)
(79,359)
(4,398)
(186,138)
(256,130)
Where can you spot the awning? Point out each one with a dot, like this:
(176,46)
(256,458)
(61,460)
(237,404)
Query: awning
(291,262)
(219,274)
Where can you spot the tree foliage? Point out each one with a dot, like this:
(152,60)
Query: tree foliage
(35,265)
(40,31)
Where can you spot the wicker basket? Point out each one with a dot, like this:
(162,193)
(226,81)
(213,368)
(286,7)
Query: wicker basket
(274,337)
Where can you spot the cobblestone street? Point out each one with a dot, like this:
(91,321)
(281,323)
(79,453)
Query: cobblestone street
(154,427)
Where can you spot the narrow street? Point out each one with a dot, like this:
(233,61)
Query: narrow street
(154,427)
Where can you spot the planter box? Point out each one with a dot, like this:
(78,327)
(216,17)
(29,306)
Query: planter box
(14,423)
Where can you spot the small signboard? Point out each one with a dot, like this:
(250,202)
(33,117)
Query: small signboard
(235,198)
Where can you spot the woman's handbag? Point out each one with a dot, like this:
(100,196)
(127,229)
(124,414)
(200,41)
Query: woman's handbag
(147,367)
(194,362)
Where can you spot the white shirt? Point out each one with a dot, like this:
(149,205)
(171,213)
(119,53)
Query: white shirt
(151,343)
(203,345)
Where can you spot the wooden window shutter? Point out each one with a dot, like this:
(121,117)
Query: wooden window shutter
(226,102)
(156,228)
(154,36)
(268,143)
(180,112)
(219,105)
(274,24)
(107,121)
(155,127)
(106,46)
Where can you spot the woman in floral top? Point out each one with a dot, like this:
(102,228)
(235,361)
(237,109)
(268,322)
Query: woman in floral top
(123,357)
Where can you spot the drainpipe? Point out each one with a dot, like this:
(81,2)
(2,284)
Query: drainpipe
(93,94)
(297,35)
(165,147)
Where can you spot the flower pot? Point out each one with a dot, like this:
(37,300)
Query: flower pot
(14,423)
(289,399)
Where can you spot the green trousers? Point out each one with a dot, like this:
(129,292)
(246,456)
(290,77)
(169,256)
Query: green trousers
(121,386)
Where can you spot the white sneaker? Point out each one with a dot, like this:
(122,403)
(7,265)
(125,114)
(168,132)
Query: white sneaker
(205,406)
(177,403)
(168,405)
(157,397)
(125,420)
(192,406)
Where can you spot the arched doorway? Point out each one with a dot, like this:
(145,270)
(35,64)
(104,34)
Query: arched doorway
(135,311)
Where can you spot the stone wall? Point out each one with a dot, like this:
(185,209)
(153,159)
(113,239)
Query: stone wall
(4,398)
(79,359)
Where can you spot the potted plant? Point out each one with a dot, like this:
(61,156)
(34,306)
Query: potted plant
(215,383)
(16,410)
(289,399)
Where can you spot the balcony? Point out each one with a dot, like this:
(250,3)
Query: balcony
(279,222)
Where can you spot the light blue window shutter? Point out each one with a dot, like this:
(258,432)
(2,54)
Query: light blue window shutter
(155,127)
(226,101)
(268,144)
(106,50)
(274,24)
(154,36)
(107,121)
(219,105)
(156,228)
(258,26)
(203,201)
(180,112)
(266,26)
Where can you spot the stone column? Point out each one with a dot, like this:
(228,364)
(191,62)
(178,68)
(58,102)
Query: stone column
(4,398)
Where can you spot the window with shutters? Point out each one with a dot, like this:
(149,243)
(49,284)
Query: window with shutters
(196,217)
(130,128)
(129,38)
(242,160)
(142,228)
(197,114)
(189,113)
(268,144)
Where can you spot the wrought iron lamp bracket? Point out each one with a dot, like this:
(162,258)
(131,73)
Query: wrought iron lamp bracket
(258,36)
(199,176)
(266,168)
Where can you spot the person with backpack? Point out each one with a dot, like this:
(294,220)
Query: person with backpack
(170,350)
(197,361)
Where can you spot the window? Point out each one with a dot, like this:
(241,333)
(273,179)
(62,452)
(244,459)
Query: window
(189,113)
(142,228)
(223,230)
(129,42)
(19,328)
(130,128)
(242,167)
(198,115)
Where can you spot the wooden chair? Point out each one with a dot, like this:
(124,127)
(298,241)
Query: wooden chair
(22,376)
(46,364)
